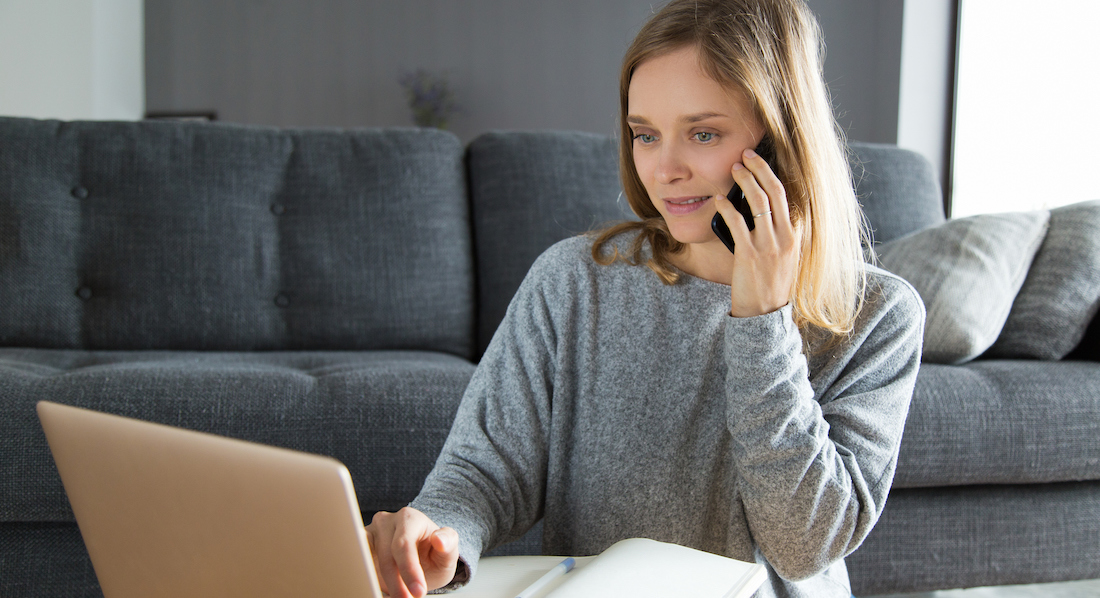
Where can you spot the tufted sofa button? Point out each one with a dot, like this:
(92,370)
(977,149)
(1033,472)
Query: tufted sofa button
(80,192)
(84,293)
(282,300)
(278,209)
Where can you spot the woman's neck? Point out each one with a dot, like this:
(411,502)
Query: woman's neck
(709,261)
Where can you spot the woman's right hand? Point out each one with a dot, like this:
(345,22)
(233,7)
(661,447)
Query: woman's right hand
(411,553)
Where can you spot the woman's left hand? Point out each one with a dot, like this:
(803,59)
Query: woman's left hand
(766,260)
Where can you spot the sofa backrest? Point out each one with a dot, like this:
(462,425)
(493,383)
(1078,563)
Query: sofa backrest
(530,190)
(195,236)
(897,188)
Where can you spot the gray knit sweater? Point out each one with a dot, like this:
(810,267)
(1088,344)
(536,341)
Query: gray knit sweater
(614,406)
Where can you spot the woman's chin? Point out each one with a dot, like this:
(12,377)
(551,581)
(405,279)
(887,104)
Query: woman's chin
(693,234)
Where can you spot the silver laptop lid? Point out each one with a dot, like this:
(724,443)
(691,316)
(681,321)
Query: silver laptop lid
(170,512)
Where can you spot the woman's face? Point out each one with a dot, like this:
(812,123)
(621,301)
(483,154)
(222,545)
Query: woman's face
(688,132)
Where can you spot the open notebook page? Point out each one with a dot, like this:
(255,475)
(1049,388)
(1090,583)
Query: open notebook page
(635,568)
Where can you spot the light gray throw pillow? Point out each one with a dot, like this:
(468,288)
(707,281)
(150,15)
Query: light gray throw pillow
(968,272)
(1061,294)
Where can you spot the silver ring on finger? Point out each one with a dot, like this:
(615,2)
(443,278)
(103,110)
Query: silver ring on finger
(768,213)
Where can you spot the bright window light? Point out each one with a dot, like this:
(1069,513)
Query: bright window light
(1027,124)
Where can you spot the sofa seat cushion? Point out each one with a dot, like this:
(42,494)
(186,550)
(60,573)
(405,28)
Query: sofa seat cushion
(385,414)
(1002,422)
(936,538)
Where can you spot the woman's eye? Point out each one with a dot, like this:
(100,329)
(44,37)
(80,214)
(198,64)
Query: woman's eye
(704,136)
(645,138)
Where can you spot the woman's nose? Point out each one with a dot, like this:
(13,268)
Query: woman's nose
(670,165)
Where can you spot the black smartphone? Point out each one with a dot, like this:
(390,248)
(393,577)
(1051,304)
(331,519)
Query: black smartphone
(766,150)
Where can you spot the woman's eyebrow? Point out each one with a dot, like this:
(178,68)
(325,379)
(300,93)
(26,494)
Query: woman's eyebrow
(690,118)
(694,118)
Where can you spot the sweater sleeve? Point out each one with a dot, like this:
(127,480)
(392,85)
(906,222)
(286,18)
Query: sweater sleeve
(489,480)
(815,465)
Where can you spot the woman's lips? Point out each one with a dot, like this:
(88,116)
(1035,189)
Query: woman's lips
(679,206)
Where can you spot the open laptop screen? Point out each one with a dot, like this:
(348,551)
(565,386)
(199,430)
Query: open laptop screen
(170,512)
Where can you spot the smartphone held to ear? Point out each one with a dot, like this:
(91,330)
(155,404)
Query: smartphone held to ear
(765,149)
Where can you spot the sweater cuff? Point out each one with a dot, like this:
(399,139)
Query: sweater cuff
(469,539)
(461,578)
(747,337)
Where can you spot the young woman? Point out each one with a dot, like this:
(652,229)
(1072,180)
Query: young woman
(648,382)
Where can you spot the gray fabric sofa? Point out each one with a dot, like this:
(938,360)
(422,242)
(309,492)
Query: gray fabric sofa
(331,290)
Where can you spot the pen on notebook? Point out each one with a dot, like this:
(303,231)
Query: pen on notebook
(560,569)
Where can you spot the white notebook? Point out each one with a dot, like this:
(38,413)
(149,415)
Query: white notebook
(631,568)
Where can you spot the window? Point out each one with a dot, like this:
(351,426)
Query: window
(1027,121)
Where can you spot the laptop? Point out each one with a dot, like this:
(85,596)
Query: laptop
(170,512)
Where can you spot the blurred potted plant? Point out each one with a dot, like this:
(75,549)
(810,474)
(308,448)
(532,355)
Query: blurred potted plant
(430,98)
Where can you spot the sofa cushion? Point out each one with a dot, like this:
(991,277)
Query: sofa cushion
(1061,293)
(1002,422)
(385,414)
(530,190)
(937,538)
(897,188)
(45,560)
(198,236)
(967,271)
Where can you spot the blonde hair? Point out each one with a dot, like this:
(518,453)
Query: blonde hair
(772,51)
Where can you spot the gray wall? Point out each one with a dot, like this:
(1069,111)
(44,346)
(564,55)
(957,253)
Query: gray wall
(863,64)
(514,64)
